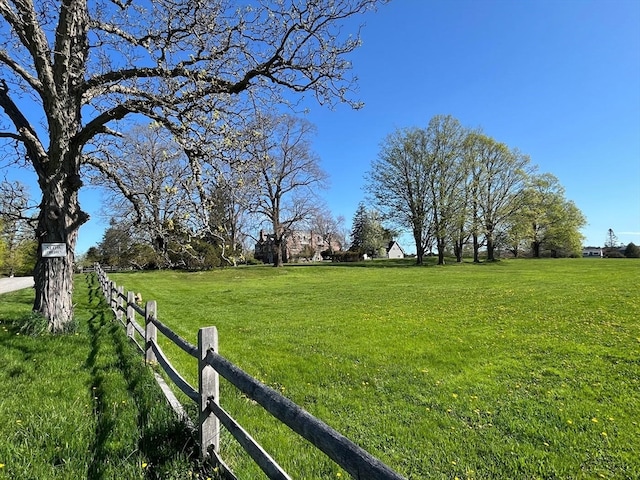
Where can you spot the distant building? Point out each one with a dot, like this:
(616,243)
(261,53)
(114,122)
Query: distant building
(592,252)
(394,250)
(302,245)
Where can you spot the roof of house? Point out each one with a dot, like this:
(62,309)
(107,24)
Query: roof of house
(390,246)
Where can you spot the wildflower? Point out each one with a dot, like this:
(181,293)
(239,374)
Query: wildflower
(604,434)
(454,395)
(144,464)
(1,465)
(338,474)
(594,420)
(569,422)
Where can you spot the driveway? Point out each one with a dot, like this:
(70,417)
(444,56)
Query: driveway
(15,283)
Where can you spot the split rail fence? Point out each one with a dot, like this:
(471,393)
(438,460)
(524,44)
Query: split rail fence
(211,365)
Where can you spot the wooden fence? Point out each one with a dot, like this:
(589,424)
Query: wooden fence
(211,365)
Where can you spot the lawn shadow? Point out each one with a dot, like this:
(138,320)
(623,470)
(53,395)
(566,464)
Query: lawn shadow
(161,437)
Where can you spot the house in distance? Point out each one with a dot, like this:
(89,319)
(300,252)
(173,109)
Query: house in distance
(299,245)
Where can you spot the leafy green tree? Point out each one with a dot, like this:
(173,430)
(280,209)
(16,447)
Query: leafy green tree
(498,184)
(553,222)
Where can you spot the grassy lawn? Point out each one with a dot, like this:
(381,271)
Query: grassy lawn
(82,405)
(519,369)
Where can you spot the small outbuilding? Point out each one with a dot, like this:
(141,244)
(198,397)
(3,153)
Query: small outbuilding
(394,250)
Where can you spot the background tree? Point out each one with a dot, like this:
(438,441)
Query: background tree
(368,235)
(499,182)
(612,239)
(445,143)
(329,228)
(287,175)
(553,222)
(398,184)
(17,240)
(143,180)
(632,251)
(163,59)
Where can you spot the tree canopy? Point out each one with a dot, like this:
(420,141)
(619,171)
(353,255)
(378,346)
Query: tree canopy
(447,184)
(71,70)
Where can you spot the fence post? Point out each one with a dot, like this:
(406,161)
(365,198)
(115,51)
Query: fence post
(119,304)
(130,313)
(113,291)
(209,390)
(151,331)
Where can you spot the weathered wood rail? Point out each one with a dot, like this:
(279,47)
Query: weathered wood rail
(211,365)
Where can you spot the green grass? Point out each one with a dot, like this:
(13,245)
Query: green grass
(82,405)
(517,369)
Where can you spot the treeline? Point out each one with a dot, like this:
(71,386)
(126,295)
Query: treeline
(457,189)
(196,206)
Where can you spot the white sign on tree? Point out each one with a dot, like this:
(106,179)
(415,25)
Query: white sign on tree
(52,250)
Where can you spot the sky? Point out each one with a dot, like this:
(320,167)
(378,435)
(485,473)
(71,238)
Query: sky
(557,79)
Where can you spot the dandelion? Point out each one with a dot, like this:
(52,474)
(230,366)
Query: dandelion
(338,474)
(604,434)
(454,395)
(569,422)
(1,465)
(594,420)
(144,464)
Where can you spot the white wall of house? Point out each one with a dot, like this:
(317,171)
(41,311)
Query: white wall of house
(395,251)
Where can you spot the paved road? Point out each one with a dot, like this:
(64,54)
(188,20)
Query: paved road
(15,283)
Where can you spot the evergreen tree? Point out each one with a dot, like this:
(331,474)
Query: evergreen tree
(632,251)
(358,230)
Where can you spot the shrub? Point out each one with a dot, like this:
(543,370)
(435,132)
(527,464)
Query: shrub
(348,256)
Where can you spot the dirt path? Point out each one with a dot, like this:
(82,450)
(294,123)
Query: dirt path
(15,283)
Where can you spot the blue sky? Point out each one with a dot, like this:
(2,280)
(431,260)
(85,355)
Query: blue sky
(558,79)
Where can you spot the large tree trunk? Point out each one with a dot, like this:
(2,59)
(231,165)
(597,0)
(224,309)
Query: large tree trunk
(417,237)
(59,220)
(441,247)
(490,248)
(54,276)
(476,249)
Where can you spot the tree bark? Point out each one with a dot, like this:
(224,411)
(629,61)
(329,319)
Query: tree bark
(490,248)
(417,238)
(441,248)
(476,249)
(59,220)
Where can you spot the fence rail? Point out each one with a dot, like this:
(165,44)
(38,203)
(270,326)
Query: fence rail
(352,458)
